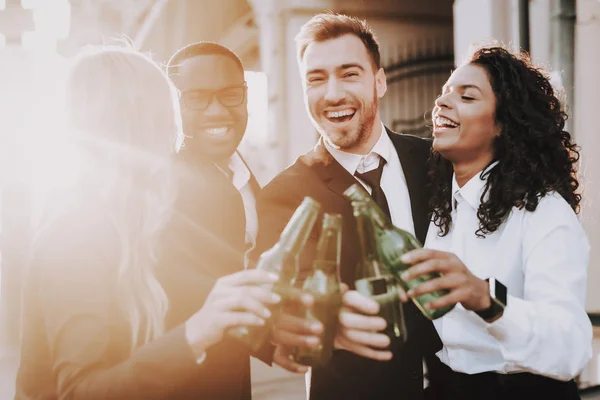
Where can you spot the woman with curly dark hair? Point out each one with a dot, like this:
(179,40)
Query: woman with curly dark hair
(505,236)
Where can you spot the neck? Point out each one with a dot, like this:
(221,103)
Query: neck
(464,171)
(202,160)
(222,163)
(370,139)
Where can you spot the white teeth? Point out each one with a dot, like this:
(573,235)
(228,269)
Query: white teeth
(442,121)
(217,131)
(339,114)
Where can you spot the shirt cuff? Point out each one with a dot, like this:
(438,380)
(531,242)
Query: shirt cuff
(514,327)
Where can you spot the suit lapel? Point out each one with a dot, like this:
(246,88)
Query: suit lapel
(220,205)
(413,166)
(328,169)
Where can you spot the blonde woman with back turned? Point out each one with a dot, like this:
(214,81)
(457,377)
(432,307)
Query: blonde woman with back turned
(97,320)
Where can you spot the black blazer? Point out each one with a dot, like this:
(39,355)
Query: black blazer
(318,175)
(75,341)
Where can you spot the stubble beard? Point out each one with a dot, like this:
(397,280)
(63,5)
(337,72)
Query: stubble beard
(352,140)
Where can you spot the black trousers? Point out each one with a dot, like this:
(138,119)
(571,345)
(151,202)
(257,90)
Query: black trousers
(446,384)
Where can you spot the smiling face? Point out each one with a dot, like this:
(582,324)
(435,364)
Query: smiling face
(216,130)
(464,125)
(341,92)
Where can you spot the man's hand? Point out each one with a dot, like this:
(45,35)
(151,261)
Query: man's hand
(283,358)
(465,288)
(291,330)
(360,330)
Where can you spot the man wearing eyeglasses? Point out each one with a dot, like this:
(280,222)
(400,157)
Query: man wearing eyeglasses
(213,94)
(217,195)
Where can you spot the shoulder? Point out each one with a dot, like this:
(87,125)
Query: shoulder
(288,181)
(418,142)
(74,243)
(553,209)
(552,213)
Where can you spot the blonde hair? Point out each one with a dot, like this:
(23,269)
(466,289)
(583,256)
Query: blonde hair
(124,112)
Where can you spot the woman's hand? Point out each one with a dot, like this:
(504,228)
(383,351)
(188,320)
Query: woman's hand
(235,300)
(465,288)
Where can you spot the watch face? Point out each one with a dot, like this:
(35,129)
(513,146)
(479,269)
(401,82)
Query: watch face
(498,291)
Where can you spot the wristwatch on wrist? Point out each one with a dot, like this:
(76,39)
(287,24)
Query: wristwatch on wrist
(498,296)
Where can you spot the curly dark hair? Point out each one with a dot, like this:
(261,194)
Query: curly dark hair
(535,154)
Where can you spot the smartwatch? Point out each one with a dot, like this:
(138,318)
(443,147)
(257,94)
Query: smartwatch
(498,294)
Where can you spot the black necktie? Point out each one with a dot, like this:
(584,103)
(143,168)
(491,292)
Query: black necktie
(373,179)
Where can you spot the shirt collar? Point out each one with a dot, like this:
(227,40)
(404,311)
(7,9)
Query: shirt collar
(351,162)
(472,190)
(241,173)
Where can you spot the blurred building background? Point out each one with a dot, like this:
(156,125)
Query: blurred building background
(420,43)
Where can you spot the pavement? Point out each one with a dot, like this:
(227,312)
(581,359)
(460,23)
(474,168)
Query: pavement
(268,383)
(274,383)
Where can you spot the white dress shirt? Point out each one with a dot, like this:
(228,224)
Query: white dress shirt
(542,258)
(241,181)
(393,182)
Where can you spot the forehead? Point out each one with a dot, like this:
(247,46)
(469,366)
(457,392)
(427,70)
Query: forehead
(331,54)
(470,74)
(210,72)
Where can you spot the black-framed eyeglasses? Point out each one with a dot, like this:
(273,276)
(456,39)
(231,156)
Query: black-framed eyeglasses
(200,99)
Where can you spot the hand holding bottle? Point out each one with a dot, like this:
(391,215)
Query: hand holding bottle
(281,260)
(289,328)
(392,243)
(454,278)
(291,331)
(361,330)
(235,300)
(324,285)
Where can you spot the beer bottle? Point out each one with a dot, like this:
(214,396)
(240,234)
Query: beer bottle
(324,285)
(282,260)
(373,278)
(392,243)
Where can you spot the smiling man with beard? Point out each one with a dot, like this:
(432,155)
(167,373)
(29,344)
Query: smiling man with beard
(340,67)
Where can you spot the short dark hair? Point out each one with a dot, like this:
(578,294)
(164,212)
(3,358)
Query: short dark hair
(200,49)
(328,26)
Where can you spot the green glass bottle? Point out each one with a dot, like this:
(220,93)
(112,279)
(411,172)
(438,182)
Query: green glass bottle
(282,260)
(324,284)
(392,243)
(373,278)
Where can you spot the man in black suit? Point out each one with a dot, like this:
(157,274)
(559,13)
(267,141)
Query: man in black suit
(215,223)
(342,78)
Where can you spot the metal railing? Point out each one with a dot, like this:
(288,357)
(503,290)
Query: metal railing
(415,76)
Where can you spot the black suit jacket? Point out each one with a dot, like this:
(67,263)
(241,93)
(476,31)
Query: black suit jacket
(318,175)
(204,242)
(76,338)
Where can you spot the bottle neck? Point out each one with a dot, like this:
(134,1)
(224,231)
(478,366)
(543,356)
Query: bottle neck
(329,245)
(294,236)
(357,194)
(369,265)
(366,236)
(378,218)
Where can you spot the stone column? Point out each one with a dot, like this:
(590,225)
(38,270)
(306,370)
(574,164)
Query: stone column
(587,87)
(16,71)
(477,21)
(271,19)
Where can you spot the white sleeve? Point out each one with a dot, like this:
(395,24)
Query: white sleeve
(548,332)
